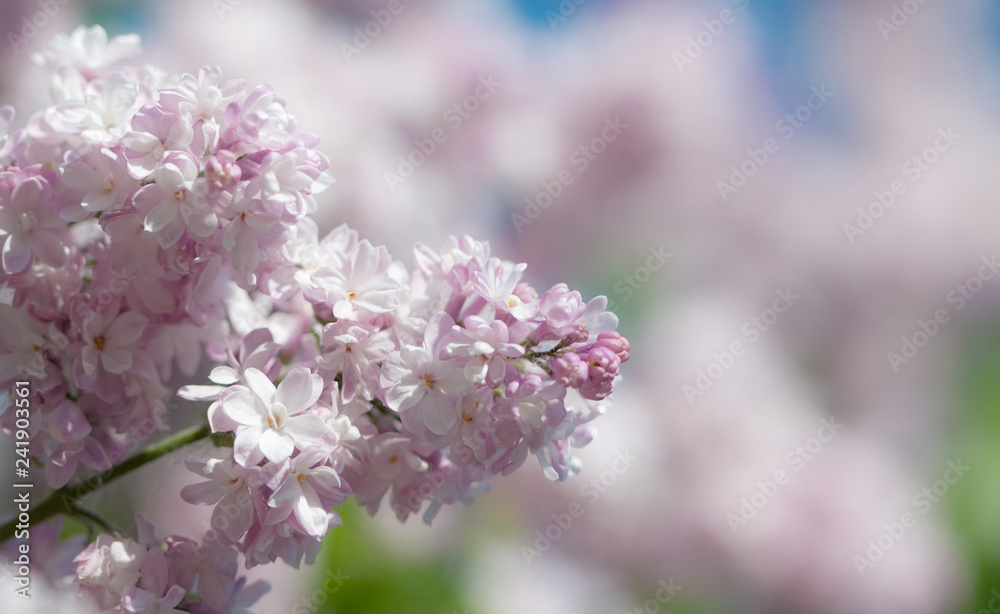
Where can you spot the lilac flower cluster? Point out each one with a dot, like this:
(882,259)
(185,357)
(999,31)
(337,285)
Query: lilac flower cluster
(153,575)
(149,220)
(130,210)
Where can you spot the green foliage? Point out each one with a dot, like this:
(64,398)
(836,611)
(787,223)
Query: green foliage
(975,502)
(381,580)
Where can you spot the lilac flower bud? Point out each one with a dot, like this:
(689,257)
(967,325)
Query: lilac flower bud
(525,386)
(579,335)
(602,366)
(615,342)
(525,292)
(569,370)
(561,308)
(222,170)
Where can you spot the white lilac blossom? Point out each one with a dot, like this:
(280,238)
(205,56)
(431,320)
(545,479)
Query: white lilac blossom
(360,284)
(154,133)
(87,50)
(354,354)
(270,421)
(152,220)
(99,173)
(29,222)
(107,340)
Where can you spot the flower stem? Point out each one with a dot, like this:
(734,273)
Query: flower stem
(64,500)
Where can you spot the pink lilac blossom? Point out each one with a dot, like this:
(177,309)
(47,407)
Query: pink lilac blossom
(156,576)
(151,220)
(29,223)
(270,421)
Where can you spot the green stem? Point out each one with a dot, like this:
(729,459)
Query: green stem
(64,500)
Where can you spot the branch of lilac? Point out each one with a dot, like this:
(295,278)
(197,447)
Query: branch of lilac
(151,220)
(64,501)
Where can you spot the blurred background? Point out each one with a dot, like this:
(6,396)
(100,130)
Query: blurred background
(791,205)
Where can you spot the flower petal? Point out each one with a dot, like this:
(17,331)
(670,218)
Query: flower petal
(310,513)
(343,310)
(116,360)
(242,406)
(276,445)
(439,413)
(261,385)
(403,396)
(98,200)
(288,492)
(89,357)
(204,493)
(326,480)
(224,375)
(239,516)
(199,393)
(161,215)
(245,447)
(126,329)
(453,381)
(245,253)
(305,428)
(299,390)
(16,254)
(49,248)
